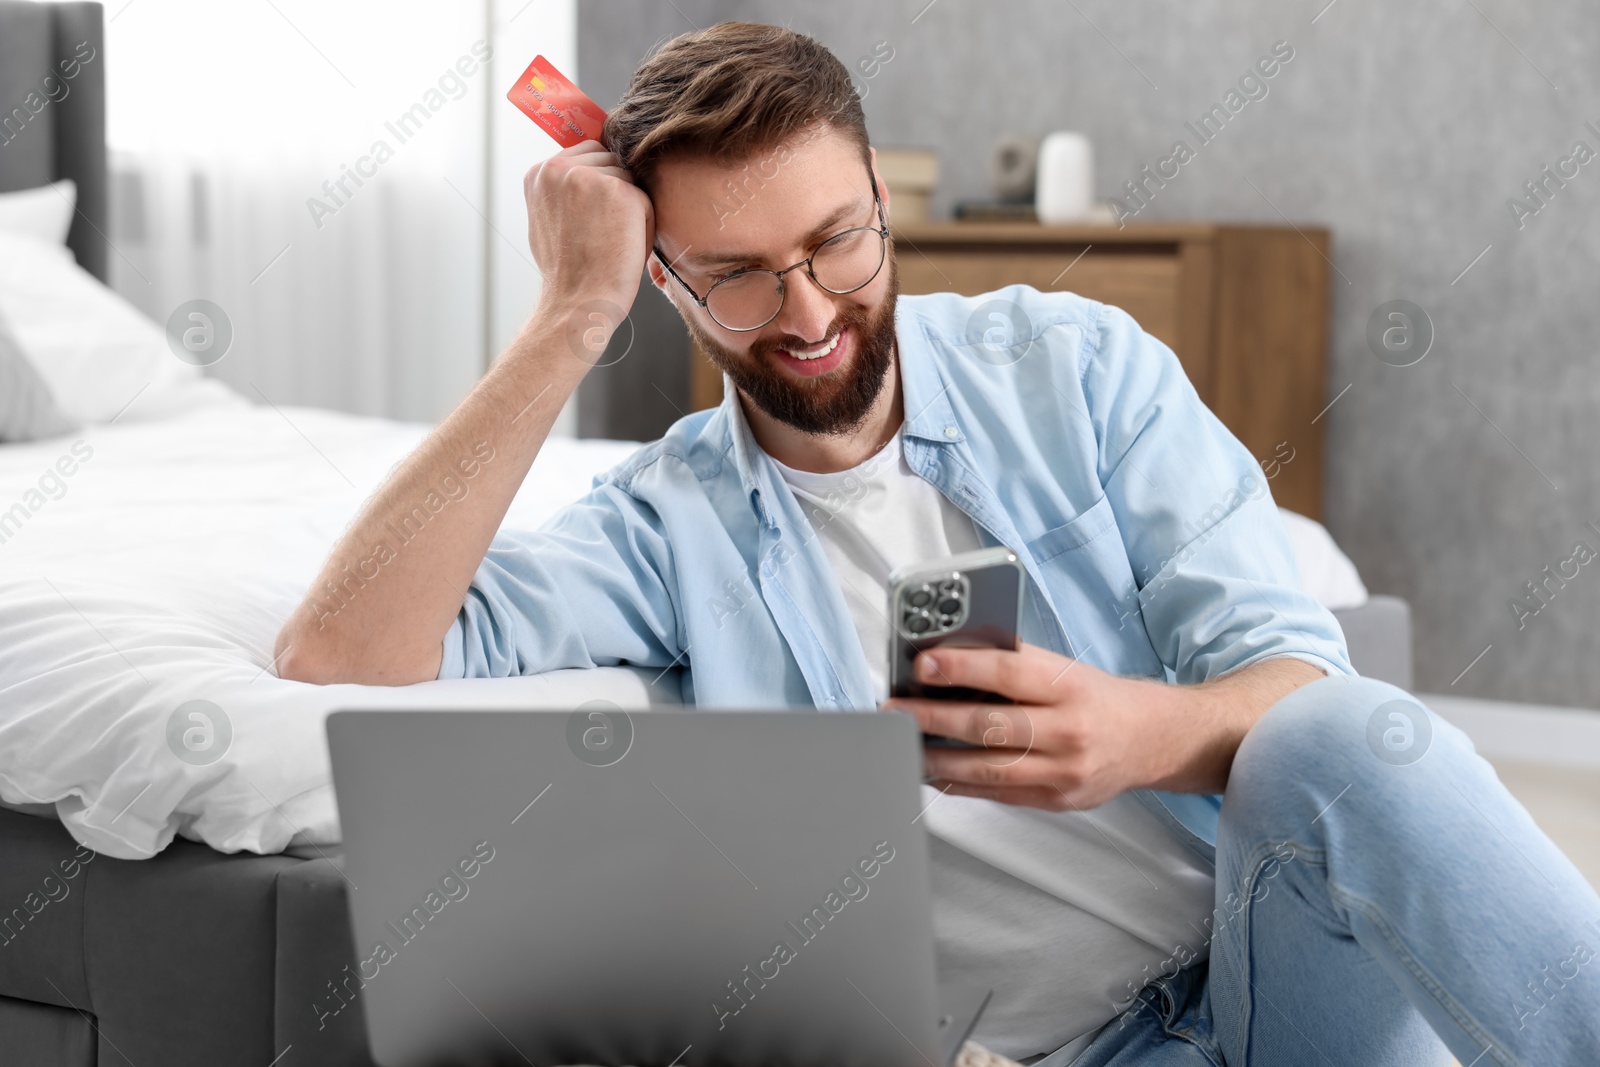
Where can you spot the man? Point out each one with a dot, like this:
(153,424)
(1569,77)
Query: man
(1362,888)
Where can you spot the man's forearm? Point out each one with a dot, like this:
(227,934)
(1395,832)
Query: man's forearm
(1207,722)
(378,611)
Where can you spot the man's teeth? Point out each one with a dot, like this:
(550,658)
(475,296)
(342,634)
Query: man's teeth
(818,352)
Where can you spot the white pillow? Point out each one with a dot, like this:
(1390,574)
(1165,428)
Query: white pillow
(95,351)
(28,411)
(1325,571)
(43,213)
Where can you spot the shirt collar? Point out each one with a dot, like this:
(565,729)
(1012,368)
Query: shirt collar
(928,413)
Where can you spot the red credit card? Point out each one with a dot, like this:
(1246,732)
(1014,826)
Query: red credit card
(549,98)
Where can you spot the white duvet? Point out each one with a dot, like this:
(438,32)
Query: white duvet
(145,565)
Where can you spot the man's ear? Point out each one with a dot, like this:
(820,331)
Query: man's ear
(883,187)
(658,277)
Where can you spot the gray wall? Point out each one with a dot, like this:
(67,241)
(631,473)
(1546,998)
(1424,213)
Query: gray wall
(1403,127)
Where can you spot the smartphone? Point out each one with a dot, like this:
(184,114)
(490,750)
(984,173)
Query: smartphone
(970,600)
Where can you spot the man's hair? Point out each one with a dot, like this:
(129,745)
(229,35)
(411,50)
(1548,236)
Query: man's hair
(727,92)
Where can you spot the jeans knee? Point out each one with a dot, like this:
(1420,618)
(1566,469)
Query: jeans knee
(1331,732)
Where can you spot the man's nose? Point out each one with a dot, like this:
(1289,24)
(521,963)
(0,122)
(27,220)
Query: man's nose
(808,309)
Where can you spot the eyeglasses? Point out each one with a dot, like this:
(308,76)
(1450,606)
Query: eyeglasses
(749,299)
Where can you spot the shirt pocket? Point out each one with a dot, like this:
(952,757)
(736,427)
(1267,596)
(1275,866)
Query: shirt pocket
(1089,581)
(1084,529)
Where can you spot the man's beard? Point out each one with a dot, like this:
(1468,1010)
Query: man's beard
(830,404)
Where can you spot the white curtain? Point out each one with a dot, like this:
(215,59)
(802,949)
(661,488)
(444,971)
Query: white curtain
(325,172)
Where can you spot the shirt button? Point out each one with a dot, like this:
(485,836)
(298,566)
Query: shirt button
(951,432)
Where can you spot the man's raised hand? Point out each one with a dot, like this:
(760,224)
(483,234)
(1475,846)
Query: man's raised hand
(590,229)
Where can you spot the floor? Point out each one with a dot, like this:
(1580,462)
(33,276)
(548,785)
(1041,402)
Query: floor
(1550,760)
(1565,802)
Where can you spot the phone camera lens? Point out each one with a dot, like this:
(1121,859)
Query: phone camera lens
(936,606)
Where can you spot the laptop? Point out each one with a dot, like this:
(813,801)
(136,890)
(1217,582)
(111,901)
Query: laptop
(678,889)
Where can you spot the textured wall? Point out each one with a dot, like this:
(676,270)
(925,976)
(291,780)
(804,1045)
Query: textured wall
(1404,127)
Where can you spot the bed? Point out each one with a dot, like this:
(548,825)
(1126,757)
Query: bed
(171,890)
(157,578)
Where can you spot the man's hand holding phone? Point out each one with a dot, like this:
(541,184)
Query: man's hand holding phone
(1073,736)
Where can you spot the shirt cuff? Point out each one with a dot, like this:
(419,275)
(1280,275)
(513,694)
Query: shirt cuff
(1331,669)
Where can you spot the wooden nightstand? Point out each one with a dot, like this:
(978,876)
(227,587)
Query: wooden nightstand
(1244,307)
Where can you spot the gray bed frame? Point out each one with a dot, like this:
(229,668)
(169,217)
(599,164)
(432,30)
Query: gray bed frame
(196,957)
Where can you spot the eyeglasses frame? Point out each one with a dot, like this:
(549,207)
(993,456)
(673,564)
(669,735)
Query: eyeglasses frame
(882,230)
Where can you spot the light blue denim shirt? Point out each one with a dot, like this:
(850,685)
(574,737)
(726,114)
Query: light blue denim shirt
(1150,538)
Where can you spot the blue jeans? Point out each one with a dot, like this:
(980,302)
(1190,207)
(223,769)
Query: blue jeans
(1381,899)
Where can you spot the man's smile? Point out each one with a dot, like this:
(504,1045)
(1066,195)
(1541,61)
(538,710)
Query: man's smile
(819,359)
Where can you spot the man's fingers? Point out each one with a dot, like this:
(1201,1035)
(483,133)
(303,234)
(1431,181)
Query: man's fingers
(585,149)
(1019,675)
(592,154)
(987,669)
(991,767)
(601,161)
(618,173)
(942,718)
(987,726)
(605,163)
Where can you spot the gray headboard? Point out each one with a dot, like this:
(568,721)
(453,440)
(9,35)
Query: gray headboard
(47,135)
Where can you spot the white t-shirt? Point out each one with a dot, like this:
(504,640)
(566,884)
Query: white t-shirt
(1056,912)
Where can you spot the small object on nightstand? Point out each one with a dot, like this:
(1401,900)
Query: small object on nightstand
(1012,168)
(910,174)
(1065,191)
